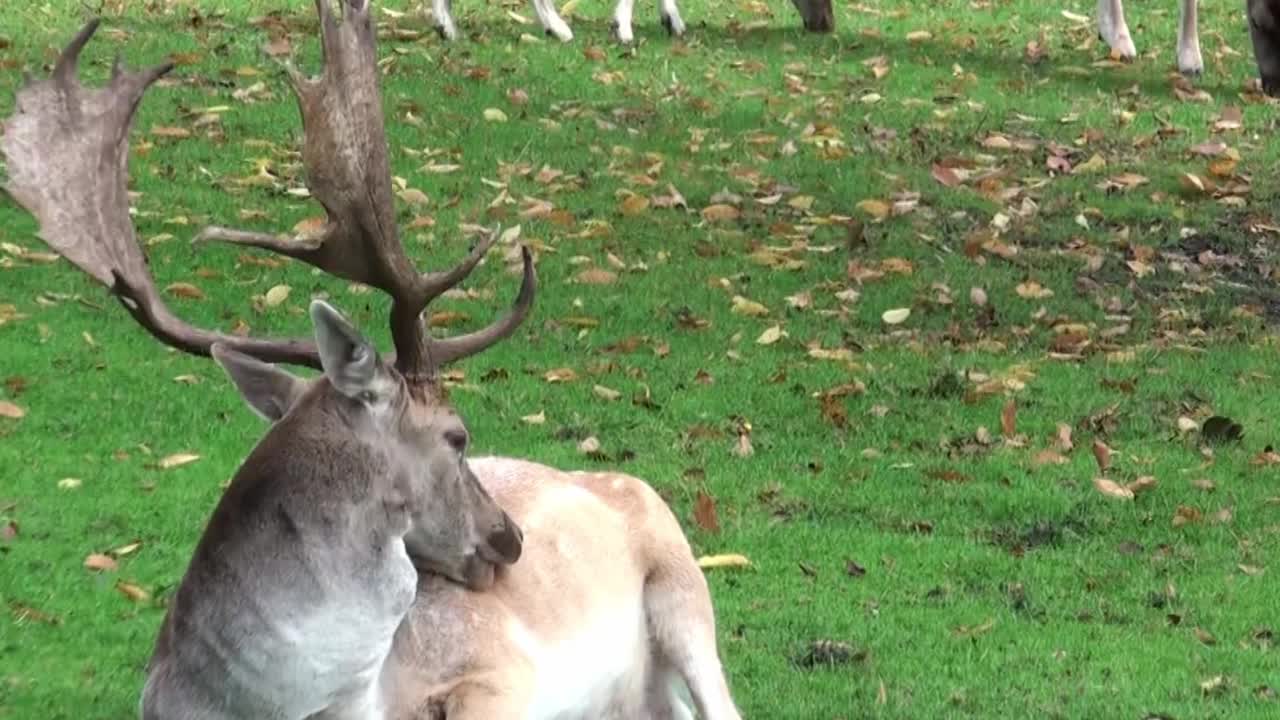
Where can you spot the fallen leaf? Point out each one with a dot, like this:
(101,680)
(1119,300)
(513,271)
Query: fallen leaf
(897,316)
(1112,489)
(589,446)
(185,290)
(177,460)
(771,335)
(11,411)
(720,212)
(596,276)
(731,560)
(99,562)
(132,591)
(605,393)
(560,375)
(745,306)
(537,418)
(495,115)
(277,295)
(1008,418)
(704,513)
(1102,454)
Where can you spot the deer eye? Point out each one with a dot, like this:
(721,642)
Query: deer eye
(367,396)
(457,439)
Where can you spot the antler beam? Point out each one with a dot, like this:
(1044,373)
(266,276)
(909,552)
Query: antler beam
(67,152)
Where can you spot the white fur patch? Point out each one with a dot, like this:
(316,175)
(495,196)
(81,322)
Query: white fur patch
(584,676)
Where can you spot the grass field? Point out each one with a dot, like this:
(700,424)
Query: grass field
(1082,244)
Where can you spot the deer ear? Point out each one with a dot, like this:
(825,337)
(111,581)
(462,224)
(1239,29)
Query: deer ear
(267,389)
(348,359)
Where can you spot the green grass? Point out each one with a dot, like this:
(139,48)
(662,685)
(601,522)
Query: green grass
(994,586)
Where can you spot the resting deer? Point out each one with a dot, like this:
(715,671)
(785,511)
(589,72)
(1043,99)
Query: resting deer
(359,567)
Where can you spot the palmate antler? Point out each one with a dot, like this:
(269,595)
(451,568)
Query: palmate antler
(67,152)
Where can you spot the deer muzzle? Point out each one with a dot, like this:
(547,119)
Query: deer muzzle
(504,545)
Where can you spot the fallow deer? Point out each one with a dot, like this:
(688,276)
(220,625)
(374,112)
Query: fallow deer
(1113,30)
(816,15)
(359,566)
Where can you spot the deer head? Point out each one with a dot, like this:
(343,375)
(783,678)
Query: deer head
(66,148)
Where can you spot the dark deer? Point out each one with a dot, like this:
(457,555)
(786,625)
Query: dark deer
(358,565)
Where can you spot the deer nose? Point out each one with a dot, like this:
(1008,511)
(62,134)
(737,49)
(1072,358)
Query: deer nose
(507,541)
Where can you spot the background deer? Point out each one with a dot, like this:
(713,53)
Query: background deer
(1115,32)
(817,16)
(297,601)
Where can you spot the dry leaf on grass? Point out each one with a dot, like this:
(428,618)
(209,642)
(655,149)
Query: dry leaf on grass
(731,560)
(177,460)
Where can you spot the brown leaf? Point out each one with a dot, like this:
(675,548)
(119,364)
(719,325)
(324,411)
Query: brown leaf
(1008,418)
(704,513)
(720,212)
(1204,636)
(560,375)
(185,290)
(11,411)
(1063,438)
(447,318)
(945,175)
(132,591)
(1186,514)
(1112,489)
(100,562)
(596,276)
(1102,454)
(633,205)
(1141,485)
(170,132)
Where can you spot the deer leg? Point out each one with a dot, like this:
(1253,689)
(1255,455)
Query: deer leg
(1264,29)
(670,16)
(282,244)
(622,21)
(1189,60)
(683,628)
(551,20)
(665,693)
(1113,29)
(441,11)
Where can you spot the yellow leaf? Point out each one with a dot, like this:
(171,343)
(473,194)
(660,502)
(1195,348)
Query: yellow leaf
(743,306)
(494,115)
(177,460)
(878,209)
(537,418)
(277,295)
(634,205)
(605,393)
(771,335)
(896,316)
(730,560)
(133,592)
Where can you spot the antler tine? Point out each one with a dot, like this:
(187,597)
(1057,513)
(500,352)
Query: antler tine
(66,149)
(344,154)
(442,351)
(64,71)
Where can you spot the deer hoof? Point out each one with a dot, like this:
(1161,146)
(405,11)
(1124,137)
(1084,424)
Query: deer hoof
(674,25)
